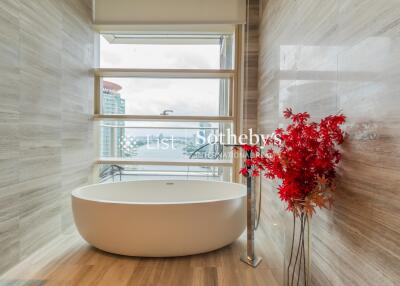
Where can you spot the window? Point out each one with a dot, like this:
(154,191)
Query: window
(159,98)
(152,96)
(160,140)
(167,51)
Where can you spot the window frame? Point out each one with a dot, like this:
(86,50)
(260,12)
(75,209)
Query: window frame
(101,73)
(233,117)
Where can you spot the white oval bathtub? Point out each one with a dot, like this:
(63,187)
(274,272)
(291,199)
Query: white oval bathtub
(160,218)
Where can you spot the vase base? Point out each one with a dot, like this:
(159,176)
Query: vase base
(252,262)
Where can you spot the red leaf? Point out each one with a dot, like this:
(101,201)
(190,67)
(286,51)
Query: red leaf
(287,113)
(244,172)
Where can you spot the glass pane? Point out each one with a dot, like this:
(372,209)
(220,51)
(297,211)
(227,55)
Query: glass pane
(116,173)
(166,51)
(163,141)
(165,96)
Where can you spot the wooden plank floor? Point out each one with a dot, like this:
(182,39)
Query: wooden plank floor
(71,261)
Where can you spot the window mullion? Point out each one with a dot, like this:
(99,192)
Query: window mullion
(169,118)
(164,73)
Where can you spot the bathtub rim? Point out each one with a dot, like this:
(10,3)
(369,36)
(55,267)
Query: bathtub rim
(76,195)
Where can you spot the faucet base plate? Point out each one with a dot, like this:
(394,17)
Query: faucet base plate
(252,262)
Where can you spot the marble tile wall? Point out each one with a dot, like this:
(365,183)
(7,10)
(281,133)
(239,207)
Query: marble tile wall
(323,56)
(250,67)
(46,89)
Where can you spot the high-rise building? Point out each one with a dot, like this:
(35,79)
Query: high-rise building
(112,103)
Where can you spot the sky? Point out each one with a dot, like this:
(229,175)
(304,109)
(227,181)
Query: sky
(151,96)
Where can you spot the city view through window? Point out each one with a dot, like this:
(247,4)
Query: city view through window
(164,140)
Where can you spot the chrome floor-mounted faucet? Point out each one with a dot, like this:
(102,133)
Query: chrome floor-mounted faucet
(249,257)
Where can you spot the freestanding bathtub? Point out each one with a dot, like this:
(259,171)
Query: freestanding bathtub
(160,218)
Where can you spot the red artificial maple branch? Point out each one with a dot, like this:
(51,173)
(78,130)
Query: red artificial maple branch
(304,157)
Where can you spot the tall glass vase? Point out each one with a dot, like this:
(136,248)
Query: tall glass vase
(297,260)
